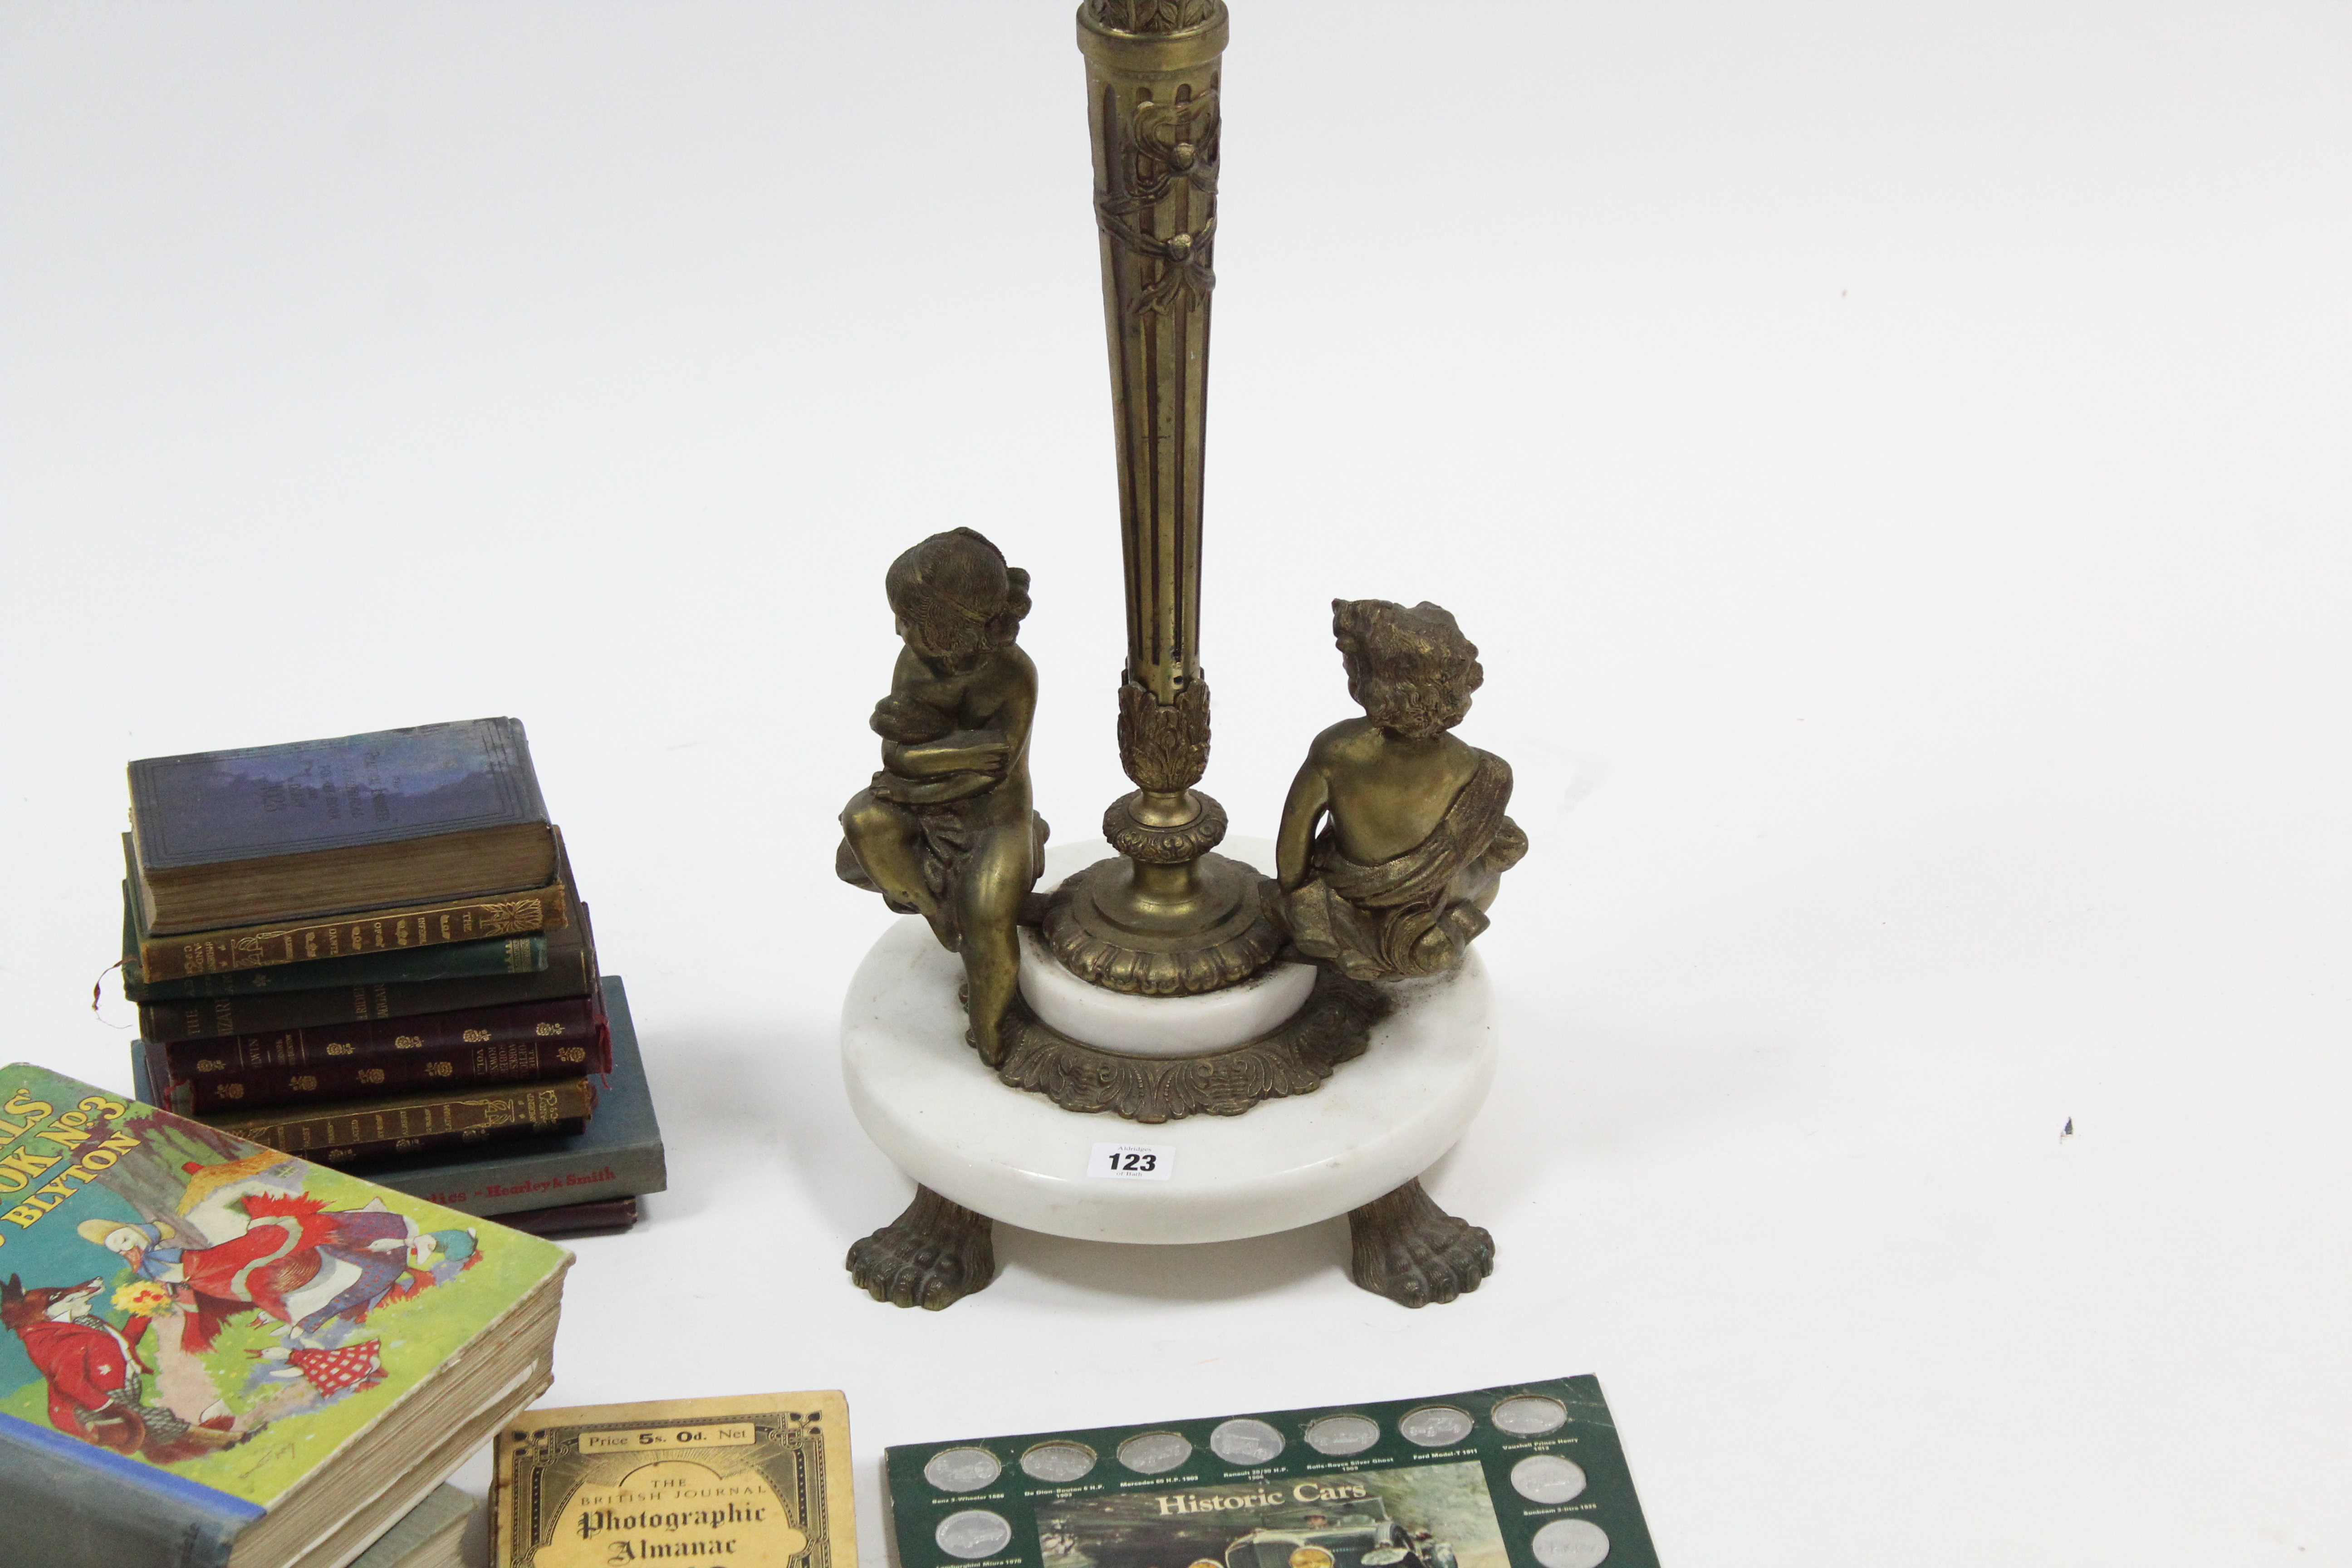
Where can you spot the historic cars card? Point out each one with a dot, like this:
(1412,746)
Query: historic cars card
(1524,1475)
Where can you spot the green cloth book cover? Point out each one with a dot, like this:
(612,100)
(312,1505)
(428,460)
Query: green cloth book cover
(1527,1474)
(210,1313)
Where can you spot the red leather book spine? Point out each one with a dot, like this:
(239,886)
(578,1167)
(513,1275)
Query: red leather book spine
(429,1052)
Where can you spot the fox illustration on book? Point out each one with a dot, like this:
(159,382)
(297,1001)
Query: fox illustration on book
(220,1235)
(92,1368)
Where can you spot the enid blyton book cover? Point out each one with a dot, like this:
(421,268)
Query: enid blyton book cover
(186,1307)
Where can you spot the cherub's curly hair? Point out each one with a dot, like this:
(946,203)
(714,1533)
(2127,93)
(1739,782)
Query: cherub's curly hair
(955,580)
(1412,669)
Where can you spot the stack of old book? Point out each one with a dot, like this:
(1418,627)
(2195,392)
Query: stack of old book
(371,951)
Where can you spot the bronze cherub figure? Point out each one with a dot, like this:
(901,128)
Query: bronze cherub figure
(947,828)
(1413,840)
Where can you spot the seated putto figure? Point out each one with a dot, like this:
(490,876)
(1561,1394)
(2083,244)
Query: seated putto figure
(947,830)
(1413,840)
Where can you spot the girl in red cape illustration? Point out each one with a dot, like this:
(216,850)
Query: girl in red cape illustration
(290,1257)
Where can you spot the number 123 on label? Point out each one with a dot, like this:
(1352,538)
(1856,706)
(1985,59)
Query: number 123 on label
(1133,1161)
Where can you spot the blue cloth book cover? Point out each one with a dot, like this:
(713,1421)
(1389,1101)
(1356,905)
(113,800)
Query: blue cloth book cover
(381,787)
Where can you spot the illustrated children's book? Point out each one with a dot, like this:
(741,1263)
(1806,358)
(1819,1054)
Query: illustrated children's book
(760,1481)
(215,1355)
(1526,1476)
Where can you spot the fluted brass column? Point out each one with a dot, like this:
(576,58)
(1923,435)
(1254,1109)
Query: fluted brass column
(1168,917)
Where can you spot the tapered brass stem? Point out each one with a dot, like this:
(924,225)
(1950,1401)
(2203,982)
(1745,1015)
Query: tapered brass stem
(1152,112)
(1174,917)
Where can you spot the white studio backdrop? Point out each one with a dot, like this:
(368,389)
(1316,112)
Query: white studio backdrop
(1894,460)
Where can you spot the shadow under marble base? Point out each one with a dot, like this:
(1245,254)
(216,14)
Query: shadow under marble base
(1402,1247)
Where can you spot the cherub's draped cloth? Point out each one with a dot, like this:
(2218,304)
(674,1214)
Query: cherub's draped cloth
(1412,915)
(950,831)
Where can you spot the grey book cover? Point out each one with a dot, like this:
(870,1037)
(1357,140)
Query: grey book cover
(427,1535)
(117,1512)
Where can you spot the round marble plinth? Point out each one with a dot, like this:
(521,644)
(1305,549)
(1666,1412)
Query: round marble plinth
(925,1098)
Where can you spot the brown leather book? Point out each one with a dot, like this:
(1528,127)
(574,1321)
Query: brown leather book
(352,1132)
(570,971)
(606,1218)
(177,956)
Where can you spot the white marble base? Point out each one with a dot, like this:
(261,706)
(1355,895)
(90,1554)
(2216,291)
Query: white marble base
(925,1098)
(1159,1026)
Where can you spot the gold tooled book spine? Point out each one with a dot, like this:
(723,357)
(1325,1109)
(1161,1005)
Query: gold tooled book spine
(409,1123)
(381,930)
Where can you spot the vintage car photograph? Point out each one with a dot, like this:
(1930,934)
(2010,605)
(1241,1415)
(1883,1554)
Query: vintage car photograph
(1362,1536)
(1419,1516)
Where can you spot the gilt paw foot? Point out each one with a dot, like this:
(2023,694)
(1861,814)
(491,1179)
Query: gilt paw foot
(1407,1249)
(933,1255)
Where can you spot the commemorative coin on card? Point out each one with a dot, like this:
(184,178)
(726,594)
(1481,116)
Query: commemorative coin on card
(1526,1476)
